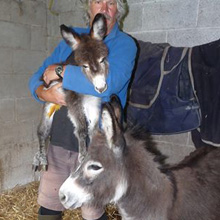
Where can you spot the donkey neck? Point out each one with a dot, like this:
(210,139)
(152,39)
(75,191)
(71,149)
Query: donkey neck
(148,188)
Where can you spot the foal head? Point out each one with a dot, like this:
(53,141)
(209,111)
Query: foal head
(89,51)
(101,177)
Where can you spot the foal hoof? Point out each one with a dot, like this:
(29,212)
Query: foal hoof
(39,168)
(40,162)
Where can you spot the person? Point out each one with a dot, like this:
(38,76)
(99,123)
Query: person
(62,151)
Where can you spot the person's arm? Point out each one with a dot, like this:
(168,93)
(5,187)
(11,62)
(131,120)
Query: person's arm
(52,94)
(122,53)
(36,84)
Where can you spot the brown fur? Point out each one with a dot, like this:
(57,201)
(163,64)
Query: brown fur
(90,53)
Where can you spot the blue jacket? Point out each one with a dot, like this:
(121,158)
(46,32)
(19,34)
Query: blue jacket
(122,53)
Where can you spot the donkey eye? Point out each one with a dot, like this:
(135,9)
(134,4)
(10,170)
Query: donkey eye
(85,66)
(94,167)
(102,60)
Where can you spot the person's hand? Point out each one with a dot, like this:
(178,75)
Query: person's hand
(54,94)
(50,74)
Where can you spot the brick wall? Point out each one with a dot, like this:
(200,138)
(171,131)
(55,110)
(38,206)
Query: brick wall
(23,43)
(29,32)
(181,23)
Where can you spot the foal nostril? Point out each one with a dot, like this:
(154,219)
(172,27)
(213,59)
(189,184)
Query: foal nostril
(98,90)
(101,90)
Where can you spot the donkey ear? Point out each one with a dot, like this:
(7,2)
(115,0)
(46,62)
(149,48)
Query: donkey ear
(108,124)
(116,105)
(112,130)
(71,38)
(99,27)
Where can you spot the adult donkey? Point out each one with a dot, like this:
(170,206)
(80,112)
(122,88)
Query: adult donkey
(123,168)
(90,53)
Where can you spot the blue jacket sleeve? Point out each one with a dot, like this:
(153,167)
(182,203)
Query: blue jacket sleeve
(122,53)
(35,81)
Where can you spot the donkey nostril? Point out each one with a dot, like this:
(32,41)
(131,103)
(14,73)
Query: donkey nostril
(98,90)
(101,90)
(62,197)
(105,87)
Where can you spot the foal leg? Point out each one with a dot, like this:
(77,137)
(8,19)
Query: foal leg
(80,130)
(77,116)
(43,131)
(92,111)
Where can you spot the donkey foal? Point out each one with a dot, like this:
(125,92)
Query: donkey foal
(89,52)
(124,168)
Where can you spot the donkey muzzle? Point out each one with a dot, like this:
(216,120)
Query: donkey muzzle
(102,89)
(100,84)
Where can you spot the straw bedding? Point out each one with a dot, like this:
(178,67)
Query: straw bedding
(20,203)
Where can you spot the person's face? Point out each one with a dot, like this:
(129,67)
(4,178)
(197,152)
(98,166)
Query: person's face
(106,7)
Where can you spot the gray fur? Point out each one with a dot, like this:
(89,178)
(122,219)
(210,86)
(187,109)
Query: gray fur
(150,190)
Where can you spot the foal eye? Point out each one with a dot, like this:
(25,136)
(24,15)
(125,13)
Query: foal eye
(102,60)
(94,167)
(85,66)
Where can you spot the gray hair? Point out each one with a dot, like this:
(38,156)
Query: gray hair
(121,6)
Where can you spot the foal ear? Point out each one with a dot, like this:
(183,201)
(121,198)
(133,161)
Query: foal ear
(71,38)
(112,130)
(99,27)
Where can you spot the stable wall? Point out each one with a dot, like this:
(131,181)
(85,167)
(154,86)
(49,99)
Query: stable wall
(29,32)
(23,43)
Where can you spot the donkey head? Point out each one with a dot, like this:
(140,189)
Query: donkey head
(90,52)
(101,177)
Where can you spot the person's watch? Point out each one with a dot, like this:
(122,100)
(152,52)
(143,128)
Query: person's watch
(59,70)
